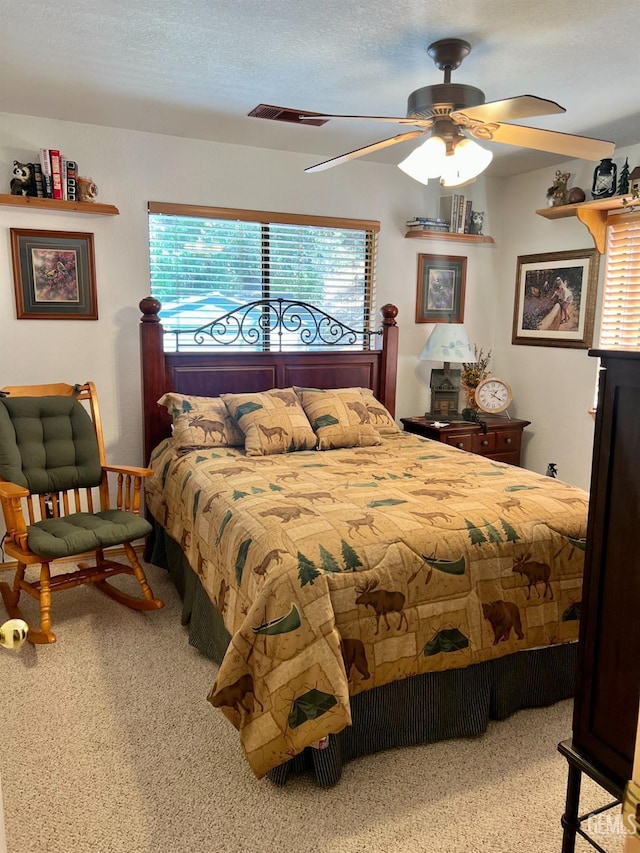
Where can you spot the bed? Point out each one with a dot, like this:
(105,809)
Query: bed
(360,588)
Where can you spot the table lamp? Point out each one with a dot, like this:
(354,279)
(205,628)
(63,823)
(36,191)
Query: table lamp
(448,342)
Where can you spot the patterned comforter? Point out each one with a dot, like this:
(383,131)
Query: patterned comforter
(342,570)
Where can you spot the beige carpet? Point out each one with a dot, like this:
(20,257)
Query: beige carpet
(107,745)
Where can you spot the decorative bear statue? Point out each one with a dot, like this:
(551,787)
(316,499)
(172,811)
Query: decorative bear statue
(23,181)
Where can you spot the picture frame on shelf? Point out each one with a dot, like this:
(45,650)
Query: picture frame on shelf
(555,299)
(54,275)
(441,288)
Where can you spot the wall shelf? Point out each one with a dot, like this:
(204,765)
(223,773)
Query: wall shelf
(58,204)
(592,214)
(446,235)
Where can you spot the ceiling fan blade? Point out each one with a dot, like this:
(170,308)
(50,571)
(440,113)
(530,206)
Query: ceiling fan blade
(368,149)
(522,106)
(416,122)
(579,147)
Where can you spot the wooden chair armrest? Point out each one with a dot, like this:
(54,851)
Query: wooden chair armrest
(11,495)
(131,470)
(129,486)
(13,490)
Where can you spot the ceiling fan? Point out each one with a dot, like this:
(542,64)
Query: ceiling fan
(451,113)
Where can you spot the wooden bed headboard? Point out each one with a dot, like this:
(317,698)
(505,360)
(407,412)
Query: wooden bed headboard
(207,367)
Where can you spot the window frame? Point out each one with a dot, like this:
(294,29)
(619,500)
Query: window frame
(267,218)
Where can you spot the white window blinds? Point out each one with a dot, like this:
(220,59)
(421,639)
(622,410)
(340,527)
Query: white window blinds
(205,262)
(620,321)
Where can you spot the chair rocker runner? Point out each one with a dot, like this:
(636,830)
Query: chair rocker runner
(52,472)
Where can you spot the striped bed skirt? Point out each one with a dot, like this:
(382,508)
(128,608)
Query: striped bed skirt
(420,709)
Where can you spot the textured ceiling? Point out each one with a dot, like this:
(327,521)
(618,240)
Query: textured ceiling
(195,69)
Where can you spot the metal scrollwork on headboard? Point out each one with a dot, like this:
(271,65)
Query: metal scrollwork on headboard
(275,324)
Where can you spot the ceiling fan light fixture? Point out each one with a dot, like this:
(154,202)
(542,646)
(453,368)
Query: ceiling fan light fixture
(457,163)
(467,161)
(426,161)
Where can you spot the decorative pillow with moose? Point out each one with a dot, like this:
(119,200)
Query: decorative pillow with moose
(201,421)
(272,422)
(339,417)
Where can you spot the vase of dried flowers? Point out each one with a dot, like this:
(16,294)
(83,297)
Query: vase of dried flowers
(472,374)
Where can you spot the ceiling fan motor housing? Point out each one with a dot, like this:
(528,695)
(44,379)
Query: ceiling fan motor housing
(442,99)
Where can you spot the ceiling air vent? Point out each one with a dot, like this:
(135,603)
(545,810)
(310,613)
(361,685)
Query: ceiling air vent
(286,114)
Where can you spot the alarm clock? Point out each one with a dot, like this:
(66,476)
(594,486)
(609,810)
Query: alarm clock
(493,395)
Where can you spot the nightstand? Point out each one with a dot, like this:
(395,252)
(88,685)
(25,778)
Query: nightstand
(502,441)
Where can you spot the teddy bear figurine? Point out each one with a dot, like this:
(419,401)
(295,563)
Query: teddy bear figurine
(23,180)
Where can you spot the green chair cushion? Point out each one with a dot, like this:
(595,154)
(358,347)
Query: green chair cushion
(48,444)
(54,538)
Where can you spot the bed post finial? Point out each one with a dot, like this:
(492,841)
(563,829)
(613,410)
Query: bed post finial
(389,313)
(388,362)
(150,308)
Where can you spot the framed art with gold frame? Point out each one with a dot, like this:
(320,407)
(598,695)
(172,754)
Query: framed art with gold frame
(555,299)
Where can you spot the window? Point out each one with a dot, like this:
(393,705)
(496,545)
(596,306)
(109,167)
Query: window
(206,262)
(620,323)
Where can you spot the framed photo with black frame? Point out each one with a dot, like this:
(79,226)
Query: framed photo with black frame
(54,275)
(555,300)
(441,288)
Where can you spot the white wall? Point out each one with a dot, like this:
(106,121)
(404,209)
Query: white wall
(132,168)
(553,387)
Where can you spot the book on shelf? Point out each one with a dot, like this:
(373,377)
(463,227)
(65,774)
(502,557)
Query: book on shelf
(467,217)
(71,180)
(441,228)
(56,172)
(450,209)
(427,220)
(460,218)
(445,208)
(456,208)
(63,176)
(56,176)
(45,166)
(37,177)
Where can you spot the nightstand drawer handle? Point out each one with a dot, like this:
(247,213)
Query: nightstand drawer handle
(484,443)
(507,441)
(460,444)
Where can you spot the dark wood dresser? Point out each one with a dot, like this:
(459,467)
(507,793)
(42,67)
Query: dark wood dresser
(501,442)
(608,668)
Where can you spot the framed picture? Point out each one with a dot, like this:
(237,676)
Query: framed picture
(555,301)
(54,275)
(441,283)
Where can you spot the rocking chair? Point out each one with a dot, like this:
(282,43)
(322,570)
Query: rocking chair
(52,472)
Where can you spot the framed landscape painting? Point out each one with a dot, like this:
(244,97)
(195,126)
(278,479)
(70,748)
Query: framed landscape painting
(555,300)
(54,275)
(441,286)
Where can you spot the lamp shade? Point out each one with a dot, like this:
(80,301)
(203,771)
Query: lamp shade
(426,161)
(448,342)
(431,160)
(468,160)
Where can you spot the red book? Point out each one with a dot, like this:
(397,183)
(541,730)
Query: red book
(56,172)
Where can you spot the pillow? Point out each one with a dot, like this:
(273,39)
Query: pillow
(339,417)
(272,422)
(201,421)
(381,417)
